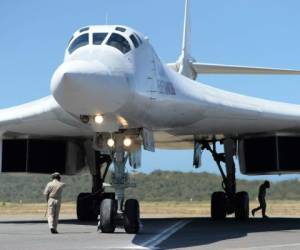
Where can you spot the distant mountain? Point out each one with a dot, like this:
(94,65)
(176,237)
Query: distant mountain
(156,186)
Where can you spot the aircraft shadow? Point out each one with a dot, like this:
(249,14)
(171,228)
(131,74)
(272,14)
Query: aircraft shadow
(204,231)
(199,232)
(44,221)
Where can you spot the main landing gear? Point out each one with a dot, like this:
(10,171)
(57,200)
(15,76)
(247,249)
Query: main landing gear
(227,201)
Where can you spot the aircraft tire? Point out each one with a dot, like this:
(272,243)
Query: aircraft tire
(107,214)
(218,206)
(87,207)
(242,206)
(132,216)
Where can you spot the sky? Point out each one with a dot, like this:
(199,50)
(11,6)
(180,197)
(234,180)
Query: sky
(34,35)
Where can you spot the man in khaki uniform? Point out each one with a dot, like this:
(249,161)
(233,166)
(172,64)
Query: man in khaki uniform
(53,193)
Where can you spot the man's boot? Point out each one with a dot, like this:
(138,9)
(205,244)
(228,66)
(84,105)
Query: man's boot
(53,231)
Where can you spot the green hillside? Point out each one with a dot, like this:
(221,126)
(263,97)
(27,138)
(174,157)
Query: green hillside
(157,186)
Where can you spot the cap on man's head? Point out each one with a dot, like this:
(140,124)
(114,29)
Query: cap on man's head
(55,175)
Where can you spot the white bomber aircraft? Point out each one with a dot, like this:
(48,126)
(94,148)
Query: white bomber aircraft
(112,96)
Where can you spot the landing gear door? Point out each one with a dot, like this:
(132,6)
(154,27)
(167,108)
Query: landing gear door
(148,140)
(197,155)
(135,158)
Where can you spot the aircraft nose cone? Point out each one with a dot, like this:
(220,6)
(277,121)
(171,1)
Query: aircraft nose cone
(85,88)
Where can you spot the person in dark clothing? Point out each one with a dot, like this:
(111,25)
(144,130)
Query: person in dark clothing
(262,199)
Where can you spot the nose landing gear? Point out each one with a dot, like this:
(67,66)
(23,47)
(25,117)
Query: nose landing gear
(118,212)
(88,203)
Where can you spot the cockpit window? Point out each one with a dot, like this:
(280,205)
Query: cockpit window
(98,38)
(138,37)
(119,42)
(120,29)
(134,41)
(84,29)
(79,42)
(70,40)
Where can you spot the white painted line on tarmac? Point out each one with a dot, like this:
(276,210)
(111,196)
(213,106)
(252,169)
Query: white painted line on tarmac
(288,246)
(133,247)
(165,234)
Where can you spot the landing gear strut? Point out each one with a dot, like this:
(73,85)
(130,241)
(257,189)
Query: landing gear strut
(116,212)
(227,201)
(88,204)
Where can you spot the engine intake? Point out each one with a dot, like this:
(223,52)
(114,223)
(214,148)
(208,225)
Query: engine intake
(269,154)
(42,156)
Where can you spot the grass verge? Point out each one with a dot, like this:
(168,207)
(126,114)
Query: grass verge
(153,209)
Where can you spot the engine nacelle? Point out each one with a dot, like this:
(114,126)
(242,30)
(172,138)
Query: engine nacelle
(270,154)
(42,156)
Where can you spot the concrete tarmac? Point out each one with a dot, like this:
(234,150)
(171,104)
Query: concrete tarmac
(185,233)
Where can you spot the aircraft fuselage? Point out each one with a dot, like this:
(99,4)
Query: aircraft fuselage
(134,89)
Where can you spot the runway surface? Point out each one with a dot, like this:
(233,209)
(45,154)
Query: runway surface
(185,233)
